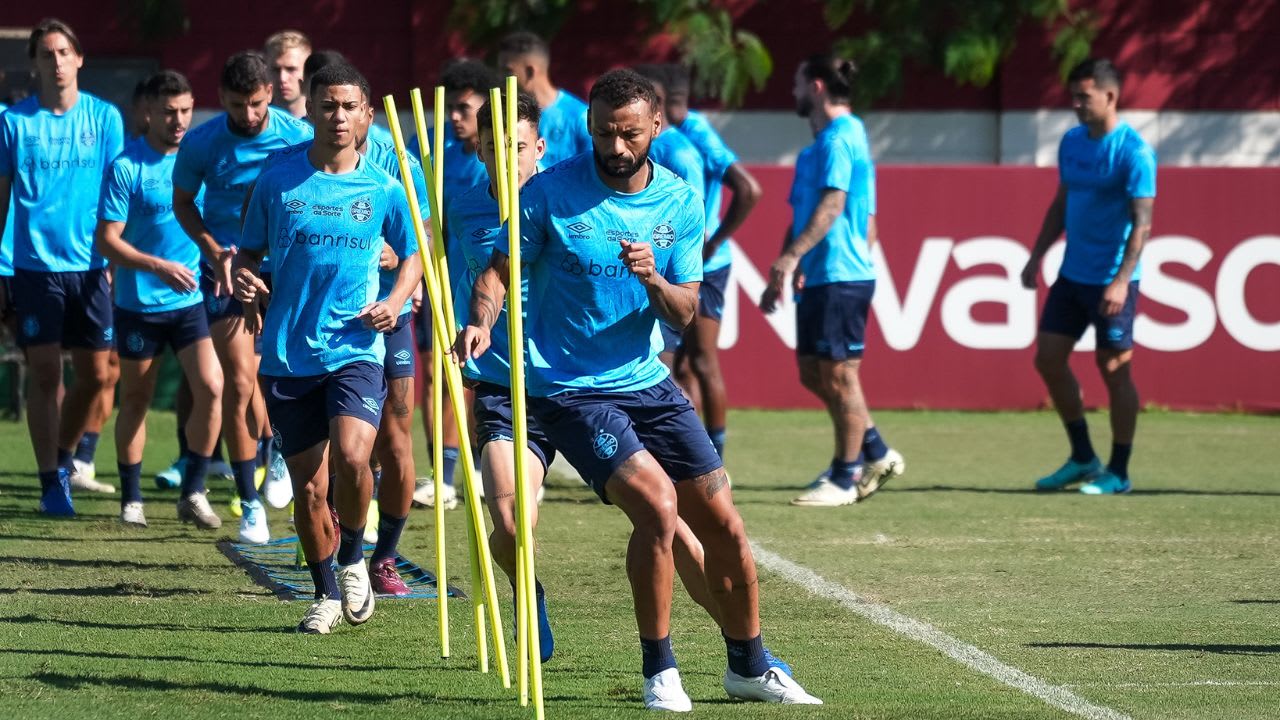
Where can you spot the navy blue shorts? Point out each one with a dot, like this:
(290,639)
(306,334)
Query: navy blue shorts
(218,307)
(711,293)
(68,308)
(1072,307)
(599,431)
(301,407)
(422,329)
(142,336)
(492,410)
(401,361)
(670,338)
(831,320)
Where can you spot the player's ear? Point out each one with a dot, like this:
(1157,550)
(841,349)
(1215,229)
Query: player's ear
(539,148)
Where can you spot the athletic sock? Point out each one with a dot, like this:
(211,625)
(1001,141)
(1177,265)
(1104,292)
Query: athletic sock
(182,441)
(656,656)
(746,657)
(193,474)
(1078,434)
(1119,465)
(130,483)
(350,544)
(717,440)
(873,445)
(845,474)
(450,462)
(243,471)
(48,480)
(389,529)
(322,575)
(87,447)
(64,458)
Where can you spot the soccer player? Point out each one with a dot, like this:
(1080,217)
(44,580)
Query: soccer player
(564,116)
(223,156)
(158,303)
(613,242)
(829,241)
(1106,195)
(697,360)
(54,151)
(286,53)
(324,214)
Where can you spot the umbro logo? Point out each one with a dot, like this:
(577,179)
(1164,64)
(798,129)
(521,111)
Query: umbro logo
(403,357)
(480,233)
(370,404)
(295,205)
(579,227)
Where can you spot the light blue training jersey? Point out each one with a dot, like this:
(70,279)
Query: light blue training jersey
(563,125)
(225,164)
(716,160)
(138,192)
(589,323)
(1102,176)
(6,238)
(839,158)
(325,234)
(56,165)
(383,154)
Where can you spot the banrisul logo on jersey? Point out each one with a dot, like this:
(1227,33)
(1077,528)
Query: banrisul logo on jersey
(664,236)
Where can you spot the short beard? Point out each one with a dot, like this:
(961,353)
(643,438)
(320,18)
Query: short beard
(804,107)
(641,161)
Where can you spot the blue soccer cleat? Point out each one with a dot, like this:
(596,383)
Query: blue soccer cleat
(774,662)
(1107,483)
(546,641)
(1070,473)
(171,477)
(56,501)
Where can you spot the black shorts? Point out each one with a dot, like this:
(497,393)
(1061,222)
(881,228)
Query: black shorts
(1072,307)
(72,309)
(301,407)
(492,410)
(831,319)
(142,336)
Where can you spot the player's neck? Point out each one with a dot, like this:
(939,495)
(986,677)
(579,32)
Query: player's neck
(159,146)
(634,184)
(331,160)
(1102,128)
(297,108)
(826,114)
(544,92)
(59,100)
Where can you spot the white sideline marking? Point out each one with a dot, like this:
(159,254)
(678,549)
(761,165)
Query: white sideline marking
(970,656)
(1197,683)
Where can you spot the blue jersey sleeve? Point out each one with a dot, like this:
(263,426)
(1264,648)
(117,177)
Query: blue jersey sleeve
(685,264)
(836,171)
(533,225)
(397,225)
(113,132)
(253,233)
(6,148)
(188,167)
(117,188)
(420,187)
(1141,182)
(715,153)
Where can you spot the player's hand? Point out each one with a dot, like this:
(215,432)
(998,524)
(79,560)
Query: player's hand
(416,298)
(389,260)
(638,257)
(222,271)
(248,287)
(1113,298)
(797,282)
(378,316)
(253,318)
(178,277)
(769,298)
(785,265)
(1030,272)
(471,343)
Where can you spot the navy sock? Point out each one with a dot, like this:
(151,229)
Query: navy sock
(130,483)
(717,440)
(657,656)
(873,445)
(322,575)
(48,480)
(193,475)
(1078,434)
(182,441)
(746,657)
(350,544)
(64,458)
(845,474)
(1119,464)
(262,452)
(217,450)
(389,529)
(450,462)
(87,447)
(243,471)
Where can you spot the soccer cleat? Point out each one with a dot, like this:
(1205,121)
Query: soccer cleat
(827,494)
(1107,483)
(322,617)
(253,523)
(84,477)
(775,662)
(195,508)
(821,478)
(131,514)
(1070,473)
(425,494)
(371,523)
(385,579)
(220,470)
(665,692)
(259,477)
(171,477)
(877,473)
(278,489)
(56,501)
(357,593)
(774,686)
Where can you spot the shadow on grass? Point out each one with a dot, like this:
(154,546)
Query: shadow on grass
(1256,602)
(1174,647)
(1033,491)
(124,589)
(129,564)
(92,625)
(213,661)
(113,539)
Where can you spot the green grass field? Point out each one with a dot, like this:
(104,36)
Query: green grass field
(1161,604)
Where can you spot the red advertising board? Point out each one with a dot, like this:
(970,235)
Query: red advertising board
(952,328)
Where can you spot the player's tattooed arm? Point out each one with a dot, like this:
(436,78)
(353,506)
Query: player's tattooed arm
(1050,230)
(830,206)
(487,298)
(1117,292)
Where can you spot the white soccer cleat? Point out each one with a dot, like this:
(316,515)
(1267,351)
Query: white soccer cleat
(774,686)
(322,617)
(84,477)
(425,494)
(827,494)
(131,514)
(876,474)
(278,487)
(371,518)
(357,592)
(665,692)
(195,508)
(253,523)
(821,477)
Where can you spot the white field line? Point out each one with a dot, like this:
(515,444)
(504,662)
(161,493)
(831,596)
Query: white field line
(966,654)
(1193,683)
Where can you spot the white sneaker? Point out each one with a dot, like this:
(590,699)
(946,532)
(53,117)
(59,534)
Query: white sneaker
(371,518)
(827,494)
(84,477)
(195,508)
(665,692)
(425,494)
(278,488)
(131,514)
(774,686)
(322,617)
(877,473)
(822,477)
(357,593)
(253,523)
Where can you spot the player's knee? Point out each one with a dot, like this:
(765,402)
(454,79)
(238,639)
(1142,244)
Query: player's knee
(1049,364)
(135,399)
(239,388)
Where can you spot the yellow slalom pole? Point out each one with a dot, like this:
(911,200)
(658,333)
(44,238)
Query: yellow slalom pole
(499,152)
(519,413)
(453,379)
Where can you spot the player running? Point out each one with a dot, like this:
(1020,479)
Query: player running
(613,242)
(324,213)
(1106,195)
(564,116)
(157,303)
(54,150)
